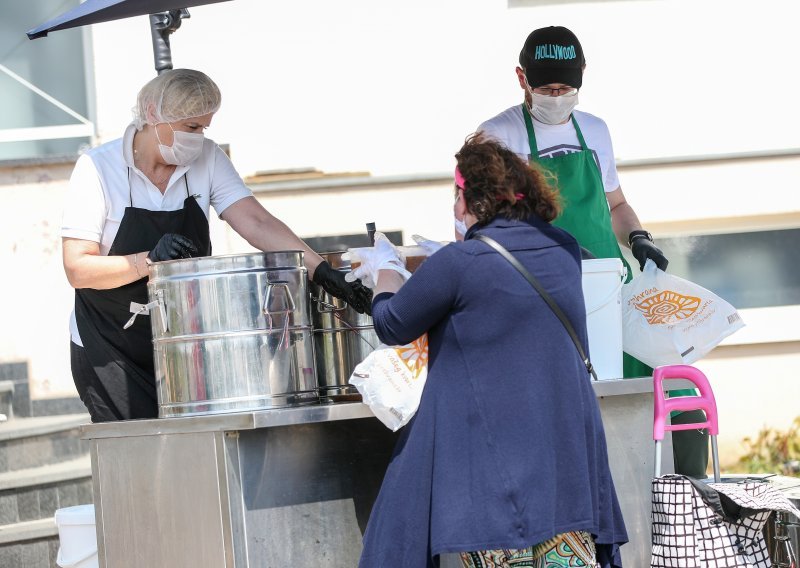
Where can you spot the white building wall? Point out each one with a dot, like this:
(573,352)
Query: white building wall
(395,87)
(36,296)
(716,195)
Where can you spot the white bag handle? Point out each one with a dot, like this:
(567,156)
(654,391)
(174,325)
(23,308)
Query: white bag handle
(610,297)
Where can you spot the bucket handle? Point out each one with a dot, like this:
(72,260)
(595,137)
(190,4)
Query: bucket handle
(608,298)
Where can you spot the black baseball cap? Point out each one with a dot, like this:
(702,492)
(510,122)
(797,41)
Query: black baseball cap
(552,55)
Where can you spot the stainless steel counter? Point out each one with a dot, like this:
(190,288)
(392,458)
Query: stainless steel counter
(294,486)
(309,414)
(303,414)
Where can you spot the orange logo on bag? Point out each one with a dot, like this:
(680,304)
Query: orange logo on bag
(668,307)
(415,355)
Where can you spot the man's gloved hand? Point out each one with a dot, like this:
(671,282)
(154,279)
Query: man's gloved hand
(427,244)
(333,282)
(642,248)
(383,256)
(172,246)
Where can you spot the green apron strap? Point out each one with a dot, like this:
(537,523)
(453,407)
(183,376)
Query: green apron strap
(531,134)
(584,147)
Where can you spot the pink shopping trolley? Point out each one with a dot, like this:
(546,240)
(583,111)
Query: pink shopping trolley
(705,525)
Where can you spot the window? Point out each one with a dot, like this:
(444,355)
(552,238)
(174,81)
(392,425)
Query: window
(43,84)
(750,270)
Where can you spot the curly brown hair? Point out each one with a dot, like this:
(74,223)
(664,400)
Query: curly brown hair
(498,182)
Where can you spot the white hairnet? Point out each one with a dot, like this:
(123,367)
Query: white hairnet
(175,95)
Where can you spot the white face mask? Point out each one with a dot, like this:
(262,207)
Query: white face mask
(552,110)
(186,147)
(461,226)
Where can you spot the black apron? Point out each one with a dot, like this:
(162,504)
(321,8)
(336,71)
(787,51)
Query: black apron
(122,359)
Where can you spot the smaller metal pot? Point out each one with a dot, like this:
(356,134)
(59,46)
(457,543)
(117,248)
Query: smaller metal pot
(342,338)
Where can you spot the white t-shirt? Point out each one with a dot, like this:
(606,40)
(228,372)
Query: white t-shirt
(552,140)
(105,182)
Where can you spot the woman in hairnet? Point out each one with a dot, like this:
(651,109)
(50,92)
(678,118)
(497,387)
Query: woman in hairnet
(145,198)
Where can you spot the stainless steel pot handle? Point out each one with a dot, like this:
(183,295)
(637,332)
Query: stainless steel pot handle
(162,310)
(324,307)
(270,295)
(138,309)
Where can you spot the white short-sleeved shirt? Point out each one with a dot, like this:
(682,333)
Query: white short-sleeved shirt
(105,182)
(552,140)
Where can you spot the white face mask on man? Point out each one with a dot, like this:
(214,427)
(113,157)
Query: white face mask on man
(552,110)
(185,149)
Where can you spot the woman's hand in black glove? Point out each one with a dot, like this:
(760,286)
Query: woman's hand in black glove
(172,246)
(354,293)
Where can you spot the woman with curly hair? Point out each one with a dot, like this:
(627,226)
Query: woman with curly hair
(505,461)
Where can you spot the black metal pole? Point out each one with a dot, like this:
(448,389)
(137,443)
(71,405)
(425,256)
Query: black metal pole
(162,54)
(162,25)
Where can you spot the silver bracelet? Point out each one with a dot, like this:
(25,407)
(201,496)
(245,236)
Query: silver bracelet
(136,264)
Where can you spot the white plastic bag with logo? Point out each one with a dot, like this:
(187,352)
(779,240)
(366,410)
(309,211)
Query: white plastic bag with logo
(667,320)
(391,380)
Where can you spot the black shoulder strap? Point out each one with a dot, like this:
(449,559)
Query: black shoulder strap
(545,296)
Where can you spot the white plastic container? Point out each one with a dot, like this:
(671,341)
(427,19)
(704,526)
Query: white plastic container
(77,537)
(602,287)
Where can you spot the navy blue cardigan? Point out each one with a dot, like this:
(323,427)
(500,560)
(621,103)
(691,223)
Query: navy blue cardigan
(507,448)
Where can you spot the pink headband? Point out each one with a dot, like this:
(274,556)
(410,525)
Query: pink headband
(460,182)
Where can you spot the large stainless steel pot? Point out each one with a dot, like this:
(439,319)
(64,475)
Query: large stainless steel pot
(342,337)
(232,333)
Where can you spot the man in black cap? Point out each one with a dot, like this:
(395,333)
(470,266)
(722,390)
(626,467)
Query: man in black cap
(576,147)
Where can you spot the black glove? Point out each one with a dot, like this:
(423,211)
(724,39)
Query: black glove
(354,293)
(172,246)
(642,248)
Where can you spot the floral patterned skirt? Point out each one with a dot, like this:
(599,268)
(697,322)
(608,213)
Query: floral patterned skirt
(566,550)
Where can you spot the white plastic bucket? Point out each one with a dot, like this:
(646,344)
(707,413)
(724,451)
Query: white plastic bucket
(77,537)
(602,294)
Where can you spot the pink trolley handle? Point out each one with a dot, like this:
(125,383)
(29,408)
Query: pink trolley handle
(662,407)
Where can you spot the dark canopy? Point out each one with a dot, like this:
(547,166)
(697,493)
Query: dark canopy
(96,11)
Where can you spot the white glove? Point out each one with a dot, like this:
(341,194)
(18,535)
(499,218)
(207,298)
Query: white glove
(427,244)
(383,256)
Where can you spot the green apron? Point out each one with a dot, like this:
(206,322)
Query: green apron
(585,212)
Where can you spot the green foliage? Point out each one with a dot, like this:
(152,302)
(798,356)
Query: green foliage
(773,451)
